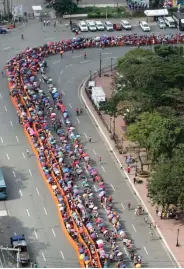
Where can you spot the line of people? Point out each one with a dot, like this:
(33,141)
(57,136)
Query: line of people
(66,165)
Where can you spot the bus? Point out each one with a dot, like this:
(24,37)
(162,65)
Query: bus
(3,188)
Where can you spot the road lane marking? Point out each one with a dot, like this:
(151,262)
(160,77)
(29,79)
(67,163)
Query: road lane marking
(7,156)
(125,251)
(68,65)
(30,172)
(28,212)
(84,61)
(103,168)
(106,53)
(145,250)
(17,138)
(113,187)
(61,72)
(5,109)
(95,187)
(36,234)
(70,105)
(62,255)
(56,62)
(1,140)
(109,58)
(77,56)
(45,211)
(134,228)
(53,232)
(1,96)
(122,206)
(43,257)
(20,193)
(15,233)
(78,120)
(6,48)
(37,191)
(94,151)
(23,155)
(14,174)
(11,123)
(85,135)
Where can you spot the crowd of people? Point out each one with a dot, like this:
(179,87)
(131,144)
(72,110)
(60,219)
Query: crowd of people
(64,163)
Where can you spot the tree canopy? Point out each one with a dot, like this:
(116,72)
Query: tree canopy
(63,7)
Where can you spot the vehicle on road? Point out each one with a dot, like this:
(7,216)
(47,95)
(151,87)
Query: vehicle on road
(169,21)
(83,27)
(91,26)
(74,27)
(3,188)
(99,26)
(18,243)
(3,30)
(144,26)
(117,26)
(109,26)
(161,23)
(179,20)
(98,96)
(126,25)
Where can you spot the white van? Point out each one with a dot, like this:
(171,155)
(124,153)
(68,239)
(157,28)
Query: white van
(169,21)
(83,27)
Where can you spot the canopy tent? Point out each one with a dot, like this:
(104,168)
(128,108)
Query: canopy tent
(37,10)
(155,13)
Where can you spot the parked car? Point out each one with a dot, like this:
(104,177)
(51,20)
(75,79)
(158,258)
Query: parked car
(109,26)
(161,23)
(82,26)
(74,27)
(117,26)
(3,31)
(144,26)
(99,25)
(126,25)
(91,26)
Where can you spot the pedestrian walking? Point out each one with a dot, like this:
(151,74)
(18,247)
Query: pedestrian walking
(129,205)
(128,169)
(27,151)
(100,159)
(135,180)
(90,139)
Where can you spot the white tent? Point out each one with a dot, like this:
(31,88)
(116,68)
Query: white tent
(156,13)
(37,10)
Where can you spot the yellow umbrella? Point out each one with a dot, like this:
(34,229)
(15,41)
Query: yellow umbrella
(138,265)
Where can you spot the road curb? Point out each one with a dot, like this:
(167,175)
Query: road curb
(98,124)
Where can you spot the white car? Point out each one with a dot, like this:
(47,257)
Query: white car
(99,26)
(126,25)
(83,27)
(109,26)
(144,26)
(91,26)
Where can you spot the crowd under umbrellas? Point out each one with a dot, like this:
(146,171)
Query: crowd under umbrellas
(66,165)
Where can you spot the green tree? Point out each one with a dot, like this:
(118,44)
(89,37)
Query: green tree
(64,7)
(167,51)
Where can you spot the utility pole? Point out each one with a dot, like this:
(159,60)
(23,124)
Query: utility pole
(100,70)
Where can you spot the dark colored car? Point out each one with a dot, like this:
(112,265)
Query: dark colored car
(74,27)
(117,26)
(3,31)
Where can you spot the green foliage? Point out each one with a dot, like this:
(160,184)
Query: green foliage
(63,7)
(166,51)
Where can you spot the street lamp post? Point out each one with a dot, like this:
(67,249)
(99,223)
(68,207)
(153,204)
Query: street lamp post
(90,74)
(100,70)
(177,239)
(111,64)
(110,125)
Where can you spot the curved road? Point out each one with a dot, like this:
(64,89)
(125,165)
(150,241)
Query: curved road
(29,205)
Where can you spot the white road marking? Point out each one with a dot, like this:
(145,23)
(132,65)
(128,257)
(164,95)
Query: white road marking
(1,96)
(145,250)
(85,135)
(122,206)
(5,109)
(43,257)
(108,58)
(77,56)
(45,211)
(36,234)
(14,174)
(30,172)
(11,123)
(94,151)
(106,53)
(125,251)
(20,193)
(28,212)
(6,48)
(61,72)
(134,228)
(53,232)
(85,62)
(62,255)
(1,140)
(15,233)
(113,187)
(103,168)
(7,156)
(78,120)
(68,65)
(17,138)
(56,62)
(23,155)
(95,187)
(70,105)
(37,191)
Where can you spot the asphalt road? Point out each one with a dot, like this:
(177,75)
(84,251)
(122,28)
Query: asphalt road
(28,195)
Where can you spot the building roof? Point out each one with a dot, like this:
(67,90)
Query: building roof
(158,12)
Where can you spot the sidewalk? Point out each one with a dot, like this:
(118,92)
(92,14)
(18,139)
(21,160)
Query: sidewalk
(167,228)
